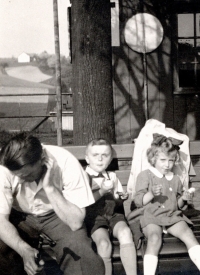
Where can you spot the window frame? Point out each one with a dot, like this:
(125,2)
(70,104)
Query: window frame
(181,7)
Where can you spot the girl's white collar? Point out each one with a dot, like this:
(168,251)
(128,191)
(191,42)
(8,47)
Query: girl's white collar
(168,176)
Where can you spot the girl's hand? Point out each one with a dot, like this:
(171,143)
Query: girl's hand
(188,194)
(156,189)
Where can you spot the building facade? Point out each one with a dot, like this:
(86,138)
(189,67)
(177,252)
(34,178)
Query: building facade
(172,90)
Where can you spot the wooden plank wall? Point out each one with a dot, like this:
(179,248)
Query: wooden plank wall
(128,79)
(187,115)
(178,111)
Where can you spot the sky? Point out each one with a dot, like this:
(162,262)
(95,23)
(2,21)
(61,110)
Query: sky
(27,26)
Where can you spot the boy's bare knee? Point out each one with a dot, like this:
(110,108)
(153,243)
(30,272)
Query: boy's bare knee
(104,245)
(125,232)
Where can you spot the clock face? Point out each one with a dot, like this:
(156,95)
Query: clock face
(143,33)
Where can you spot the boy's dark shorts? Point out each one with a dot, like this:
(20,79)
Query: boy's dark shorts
(105,221)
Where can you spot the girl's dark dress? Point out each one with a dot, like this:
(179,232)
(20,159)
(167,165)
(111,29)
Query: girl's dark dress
(163,209)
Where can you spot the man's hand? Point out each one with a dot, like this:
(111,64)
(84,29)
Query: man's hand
(9,235)
(68,212)
(46,178)
(29,258)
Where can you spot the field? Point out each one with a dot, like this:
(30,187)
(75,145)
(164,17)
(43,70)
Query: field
(20,81)
(28,72)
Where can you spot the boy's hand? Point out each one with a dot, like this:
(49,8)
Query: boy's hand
(106,186)
(122,195)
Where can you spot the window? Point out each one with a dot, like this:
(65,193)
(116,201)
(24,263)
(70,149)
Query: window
(186,46)
(189,50)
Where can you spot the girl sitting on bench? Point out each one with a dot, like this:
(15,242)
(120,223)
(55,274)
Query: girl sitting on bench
(160,193)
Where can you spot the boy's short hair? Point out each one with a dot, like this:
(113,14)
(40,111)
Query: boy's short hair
(98,141)
(20,150)
(166,147)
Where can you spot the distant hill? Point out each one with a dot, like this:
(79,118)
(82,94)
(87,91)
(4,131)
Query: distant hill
(9,81)
(28,72)
(27,95)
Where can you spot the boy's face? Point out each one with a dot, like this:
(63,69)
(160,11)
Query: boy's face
(164,163)
(99,157)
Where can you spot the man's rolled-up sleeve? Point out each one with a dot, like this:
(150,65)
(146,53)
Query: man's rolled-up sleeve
(6,197)
(76,186)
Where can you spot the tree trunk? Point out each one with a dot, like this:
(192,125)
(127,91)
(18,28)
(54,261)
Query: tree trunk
(92,71)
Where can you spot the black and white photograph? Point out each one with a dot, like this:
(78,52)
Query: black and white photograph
(99,137)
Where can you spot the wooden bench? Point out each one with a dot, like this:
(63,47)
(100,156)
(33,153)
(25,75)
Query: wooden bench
(173,257)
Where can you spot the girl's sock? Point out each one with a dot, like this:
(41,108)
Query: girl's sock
(150,264)
(108,265)
(194,253)
(128,258)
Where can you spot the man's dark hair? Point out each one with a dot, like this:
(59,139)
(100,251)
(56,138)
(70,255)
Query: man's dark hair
(20,150)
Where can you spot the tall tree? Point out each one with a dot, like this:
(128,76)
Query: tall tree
(92,71)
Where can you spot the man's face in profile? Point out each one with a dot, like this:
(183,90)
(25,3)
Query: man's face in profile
(30,172)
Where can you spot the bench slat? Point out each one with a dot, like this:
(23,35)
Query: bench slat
(125,151)
(197,177)
(195,148)
(172,246)
(121,151)
(123,176)
(77,151)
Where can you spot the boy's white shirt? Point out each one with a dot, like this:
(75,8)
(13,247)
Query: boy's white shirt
(117,186)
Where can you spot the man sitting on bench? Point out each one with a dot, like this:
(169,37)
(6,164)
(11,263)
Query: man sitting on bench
(48,191)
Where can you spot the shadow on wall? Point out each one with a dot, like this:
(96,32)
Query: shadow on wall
(179,112)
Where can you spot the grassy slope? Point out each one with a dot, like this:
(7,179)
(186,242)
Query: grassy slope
(28,72)
(46,136)
(9,81)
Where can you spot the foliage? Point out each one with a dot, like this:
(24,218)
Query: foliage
(6,62)
(46,63)
(45,138)
(4,137)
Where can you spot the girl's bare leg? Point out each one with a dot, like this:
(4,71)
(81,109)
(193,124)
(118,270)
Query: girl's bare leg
(182,231)
(153,233)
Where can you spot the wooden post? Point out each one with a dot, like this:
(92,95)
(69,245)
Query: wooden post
(145,87)
(58,74)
